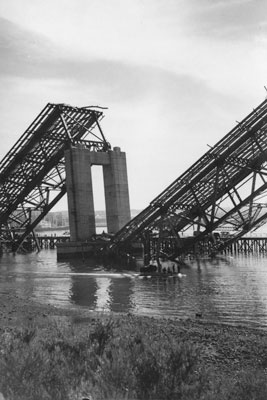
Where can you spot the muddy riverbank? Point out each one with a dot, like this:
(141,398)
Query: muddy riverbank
(223,344)
(225,350)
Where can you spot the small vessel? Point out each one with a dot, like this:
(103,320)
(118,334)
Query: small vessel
(161,268)
(160,274)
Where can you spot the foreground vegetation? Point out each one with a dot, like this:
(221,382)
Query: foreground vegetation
(118,358)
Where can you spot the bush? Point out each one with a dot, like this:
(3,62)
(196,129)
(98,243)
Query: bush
(112,359)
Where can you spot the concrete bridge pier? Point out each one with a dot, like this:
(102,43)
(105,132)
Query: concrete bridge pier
(116,191)
(79,160)
(80,194)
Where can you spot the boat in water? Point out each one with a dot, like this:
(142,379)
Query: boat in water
(161,268)
(160,275)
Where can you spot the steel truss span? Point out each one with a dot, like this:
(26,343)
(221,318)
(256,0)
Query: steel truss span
(226,187)
(32,174)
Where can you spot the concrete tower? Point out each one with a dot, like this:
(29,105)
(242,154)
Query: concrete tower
(78,160)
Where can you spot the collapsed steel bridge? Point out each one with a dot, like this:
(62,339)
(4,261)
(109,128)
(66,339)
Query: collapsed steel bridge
(226,187)
(32,174)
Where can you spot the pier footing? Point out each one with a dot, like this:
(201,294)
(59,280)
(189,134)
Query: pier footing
(133,255)
(78,249)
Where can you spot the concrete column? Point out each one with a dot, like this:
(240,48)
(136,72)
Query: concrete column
(80,193)
(116,191)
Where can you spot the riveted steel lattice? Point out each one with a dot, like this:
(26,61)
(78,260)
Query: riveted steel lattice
(226,186)
(32,174)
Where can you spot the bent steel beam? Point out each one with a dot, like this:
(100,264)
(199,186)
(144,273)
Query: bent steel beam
(32,174)
(214,188)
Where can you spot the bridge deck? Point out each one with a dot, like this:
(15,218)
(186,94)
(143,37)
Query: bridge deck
(199,195)
(32,174)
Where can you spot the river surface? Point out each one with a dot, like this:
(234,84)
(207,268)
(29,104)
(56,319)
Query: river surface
(230,290)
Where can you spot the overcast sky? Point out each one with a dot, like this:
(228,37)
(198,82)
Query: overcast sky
(175,75)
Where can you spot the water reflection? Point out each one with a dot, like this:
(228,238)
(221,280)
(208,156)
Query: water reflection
(82,291)
(231,290)
(102,293)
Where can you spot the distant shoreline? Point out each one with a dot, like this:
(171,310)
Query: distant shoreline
(62,228)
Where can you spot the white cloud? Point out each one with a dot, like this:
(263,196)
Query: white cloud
(216,41)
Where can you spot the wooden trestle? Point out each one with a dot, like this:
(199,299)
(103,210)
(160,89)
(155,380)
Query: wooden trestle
(244,245)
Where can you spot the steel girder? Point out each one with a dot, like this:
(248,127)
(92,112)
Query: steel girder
(32,174)
(225,186)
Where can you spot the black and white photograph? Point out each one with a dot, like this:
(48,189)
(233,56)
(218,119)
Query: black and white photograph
(133,200)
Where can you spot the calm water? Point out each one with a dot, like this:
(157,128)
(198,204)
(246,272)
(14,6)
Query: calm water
(232,290)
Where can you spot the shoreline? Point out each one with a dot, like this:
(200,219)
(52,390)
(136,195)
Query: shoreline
(246,345)
(227,356)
